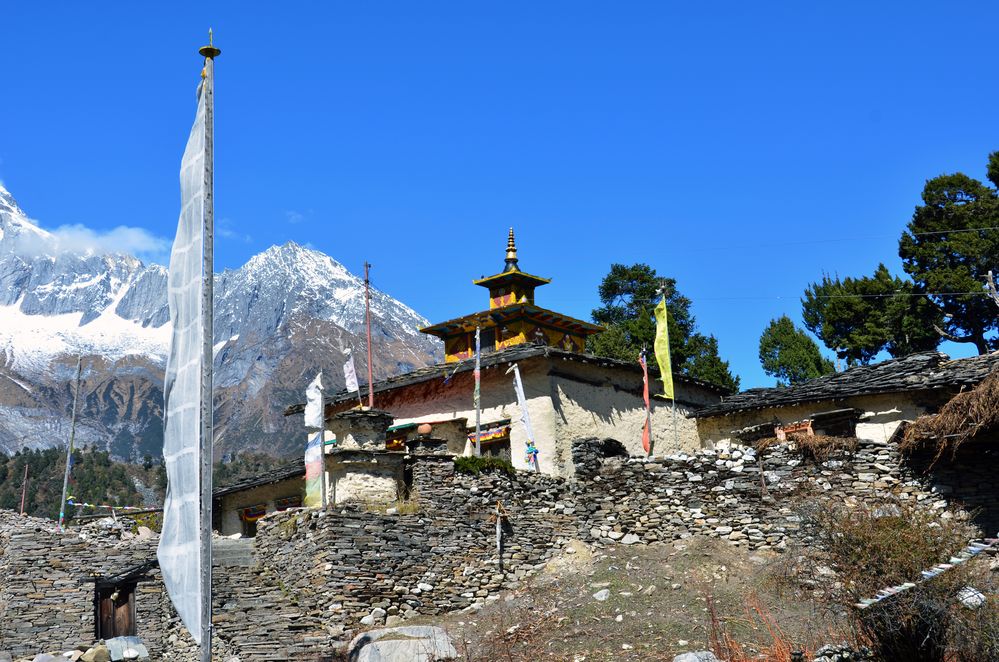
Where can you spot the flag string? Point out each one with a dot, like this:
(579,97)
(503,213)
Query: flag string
(71,501)
(972,550)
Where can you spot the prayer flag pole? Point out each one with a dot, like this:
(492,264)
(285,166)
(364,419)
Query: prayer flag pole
(69,447)
(209,52)
(478,392)
(367,322)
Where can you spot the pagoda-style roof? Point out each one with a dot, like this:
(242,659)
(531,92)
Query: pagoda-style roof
(509,277)
(499,316)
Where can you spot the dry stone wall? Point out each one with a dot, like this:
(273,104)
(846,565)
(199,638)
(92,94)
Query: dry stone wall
(363,567)
(313,576)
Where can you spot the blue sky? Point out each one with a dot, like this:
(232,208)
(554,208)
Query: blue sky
(742,148)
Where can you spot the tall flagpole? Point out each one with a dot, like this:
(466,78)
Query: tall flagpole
(69,447)
(367,323)
(209,52)
(478,391)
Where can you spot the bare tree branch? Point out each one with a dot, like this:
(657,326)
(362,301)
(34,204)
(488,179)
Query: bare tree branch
(991,286)
(951,336)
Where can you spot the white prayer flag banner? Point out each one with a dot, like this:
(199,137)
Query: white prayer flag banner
(180,540)
(314,403)
(349,374)
(525,416)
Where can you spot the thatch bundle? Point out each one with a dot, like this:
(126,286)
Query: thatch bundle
(962,418)
(816,447)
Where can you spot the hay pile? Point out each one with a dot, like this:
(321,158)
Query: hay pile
(817,448)
(959,420)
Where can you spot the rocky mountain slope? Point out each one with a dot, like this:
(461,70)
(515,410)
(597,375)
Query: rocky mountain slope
(279,317)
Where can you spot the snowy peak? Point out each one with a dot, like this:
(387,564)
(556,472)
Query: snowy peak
(17,233)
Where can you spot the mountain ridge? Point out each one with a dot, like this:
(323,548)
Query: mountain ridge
(286,312)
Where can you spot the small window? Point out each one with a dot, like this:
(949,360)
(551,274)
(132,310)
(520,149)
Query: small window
(115,615)
(249,517)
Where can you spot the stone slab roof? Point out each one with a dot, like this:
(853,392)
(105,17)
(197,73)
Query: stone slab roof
(293,469)
(515,353)
(926,371)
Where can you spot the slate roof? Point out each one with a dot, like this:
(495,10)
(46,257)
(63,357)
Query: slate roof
(917,372)
(515,353)
(293,469)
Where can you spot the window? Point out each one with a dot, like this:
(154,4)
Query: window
(115,608)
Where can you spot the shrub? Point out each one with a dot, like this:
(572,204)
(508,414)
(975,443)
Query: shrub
(871,547)
(475,465)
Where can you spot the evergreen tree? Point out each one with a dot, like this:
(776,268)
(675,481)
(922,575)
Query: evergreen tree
(789,355)
(859,317)
(629,294)
(947,256)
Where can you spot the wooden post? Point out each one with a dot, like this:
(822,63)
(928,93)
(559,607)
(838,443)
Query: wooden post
(208,356)
(367,322)
(24,486)
(69,447)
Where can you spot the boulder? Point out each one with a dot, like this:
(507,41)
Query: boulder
(96,654)
(413,643)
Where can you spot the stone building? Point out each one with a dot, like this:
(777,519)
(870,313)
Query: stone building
(868,402)
(569,394)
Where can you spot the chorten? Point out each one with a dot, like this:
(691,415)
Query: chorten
(512,318)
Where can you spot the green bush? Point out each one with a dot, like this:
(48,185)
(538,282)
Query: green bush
(475,465)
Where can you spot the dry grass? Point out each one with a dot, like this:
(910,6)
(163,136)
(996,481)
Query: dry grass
(817,447)
(959,420)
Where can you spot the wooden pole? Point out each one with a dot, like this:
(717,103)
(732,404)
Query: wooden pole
(24,486)
(367,322)
(69,447)
(208,357)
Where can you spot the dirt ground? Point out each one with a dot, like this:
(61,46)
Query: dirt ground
(659,602)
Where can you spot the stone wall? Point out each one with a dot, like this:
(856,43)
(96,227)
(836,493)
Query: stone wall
(349,563)
(316,574)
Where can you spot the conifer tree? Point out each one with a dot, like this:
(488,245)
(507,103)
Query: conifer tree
(789,355)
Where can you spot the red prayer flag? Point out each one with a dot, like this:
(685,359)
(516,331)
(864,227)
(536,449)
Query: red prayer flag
(646,431)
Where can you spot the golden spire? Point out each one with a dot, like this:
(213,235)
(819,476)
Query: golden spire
(209,51)
(511,254)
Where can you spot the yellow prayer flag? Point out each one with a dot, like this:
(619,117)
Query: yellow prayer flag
(662,349)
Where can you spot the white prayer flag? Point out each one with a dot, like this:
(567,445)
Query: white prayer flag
(525,416)
(349,374)
(180,540)
(314,403)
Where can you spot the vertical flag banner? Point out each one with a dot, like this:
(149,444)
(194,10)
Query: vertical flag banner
(350,374)
(314,449)
(314,471)
(180,540)
(314,403)
(646,429)
(477,394)
(662,349)
(525,417)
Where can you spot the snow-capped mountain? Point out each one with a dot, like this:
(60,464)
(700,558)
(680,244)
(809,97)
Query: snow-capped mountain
(280,316)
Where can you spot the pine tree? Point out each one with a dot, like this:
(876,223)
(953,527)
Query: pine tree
(789,355)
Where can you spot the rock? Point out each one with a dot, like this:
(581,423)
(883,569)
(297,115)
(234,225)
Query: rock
(971,597)
(394,621)
(96,654)
(630,539)
(696,656)
(376,617)
(414,643)
(601,595)
(45,657)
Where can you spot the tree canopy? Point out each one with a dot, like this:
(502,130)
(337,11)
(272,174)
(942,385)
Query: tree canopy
(629,294)
(790,355)
(95,479)
(948,248)
(859,317)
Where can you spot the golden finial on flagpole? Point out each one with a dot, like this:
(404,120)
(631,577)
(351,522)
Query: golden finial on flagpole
(210,51)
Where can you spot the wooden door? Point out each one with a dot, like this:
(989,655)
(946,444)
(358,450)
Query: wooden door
(116,611)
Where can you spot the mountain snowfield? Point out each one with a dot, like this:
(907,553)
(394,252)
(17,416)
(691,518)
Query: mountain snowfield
(278,317)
